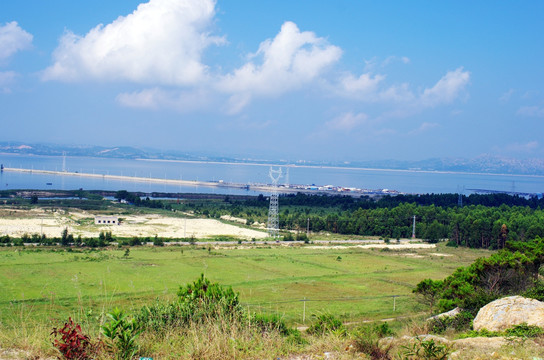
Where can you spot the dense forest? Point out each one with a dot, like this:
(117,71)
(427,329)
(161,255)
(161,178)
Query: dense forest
(479,221)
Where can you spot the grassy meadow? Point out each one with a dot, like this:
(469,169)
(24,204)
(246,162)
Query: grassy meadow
(354,284)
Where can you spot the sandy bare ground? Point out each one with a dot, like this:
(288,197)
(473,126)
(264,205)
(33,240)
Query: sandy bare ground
(380,246)
(17,223)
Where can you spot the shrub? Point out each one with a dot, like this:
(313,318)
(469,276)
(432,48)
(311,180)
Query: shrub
(325,323)
(157,241)
(121,333)
(425,349)
(204,299)
(459,322)
(198,302)
(267,323)
(383,330)
(524,330)
(73,344)
(513,270)
(302,237)
(367,340)
(160,317)
(288,237)
(452,243)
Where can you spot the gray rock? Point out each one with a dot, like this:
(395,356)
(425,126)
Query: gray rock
(504,313)
(447,314)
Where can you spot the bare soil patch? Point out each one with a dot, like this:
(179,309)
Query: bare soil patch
(16,223)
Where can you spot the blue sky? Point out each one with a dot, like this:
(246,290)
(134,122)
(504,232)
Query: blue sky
(331,80)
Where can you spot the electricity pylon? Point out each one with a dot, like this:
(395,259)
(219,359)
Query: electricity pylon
(273,210)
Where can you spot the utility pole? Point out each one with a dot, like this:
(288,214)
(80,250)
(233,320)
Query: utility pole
(414,228)
(308,227)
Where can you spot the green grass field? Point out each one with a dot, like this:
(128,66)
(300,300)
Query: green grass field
(48,285)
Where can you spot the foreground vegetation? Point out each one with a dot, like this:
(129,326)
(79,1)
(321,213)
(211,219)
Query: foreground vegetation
(262,301)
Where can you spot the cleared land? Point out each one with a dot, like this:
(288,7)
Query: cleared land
(16,223)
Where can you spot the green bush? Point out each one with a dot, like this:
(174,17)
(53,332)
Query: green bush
(121,333)
(161,316)
(524,330)
(521,330)
(199,301)
(460,322)
(425,350)
(511,271)
(157,241)
(204,299)
(325,323)
(269,323)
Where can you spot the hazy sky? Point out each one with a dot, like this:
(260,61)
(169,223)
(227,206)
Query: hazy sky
(308,79)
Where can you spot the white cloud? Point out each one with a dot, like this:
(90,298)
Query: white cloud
(161,42)
(446,89)
(156,98)
(13,39)
(531,111)
(372,89)
(397,94)
(423,127)
(364,84)
(290,60)
(6,78)
(347,121)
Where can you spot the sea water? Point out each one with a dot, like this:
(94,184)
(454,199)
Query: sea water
(400,180)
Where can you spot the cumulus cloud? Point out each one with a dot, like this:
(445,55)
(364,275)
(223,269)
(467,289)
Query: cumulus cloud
(13,39)
(446,89)
(531,111)
(288,61)
(161,42)
(371,88)
(347,121)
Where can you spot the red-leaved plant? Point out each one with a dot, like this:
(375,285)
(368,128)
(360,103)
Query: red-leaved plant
(73,344)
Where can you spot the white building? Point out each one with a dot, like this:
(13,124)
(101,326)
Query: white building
(106,220)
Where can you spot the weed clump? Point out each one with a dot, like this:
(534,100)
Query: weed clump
(326,323)
(368,340)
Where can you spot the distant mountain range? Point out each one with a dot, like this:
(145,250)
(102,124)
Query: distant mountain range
(481,164)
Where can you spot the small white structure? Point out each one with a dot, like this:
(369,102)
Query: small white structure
(106,220)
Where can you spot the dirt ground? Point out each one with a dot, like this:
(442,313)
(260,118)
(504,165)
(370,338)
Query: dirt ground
(16,223)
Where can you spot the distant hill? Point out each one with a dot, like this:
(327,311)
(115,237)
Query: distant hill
(482,164)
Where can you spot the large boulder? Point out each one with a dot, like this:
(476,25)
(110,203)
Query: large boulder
(504,313)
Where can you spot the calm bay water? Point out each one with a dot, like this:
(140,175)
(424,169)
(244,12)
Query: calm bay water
(404,181)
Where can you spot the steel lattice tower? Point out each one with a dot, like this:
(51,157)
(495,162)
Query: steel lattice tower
(273,210)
